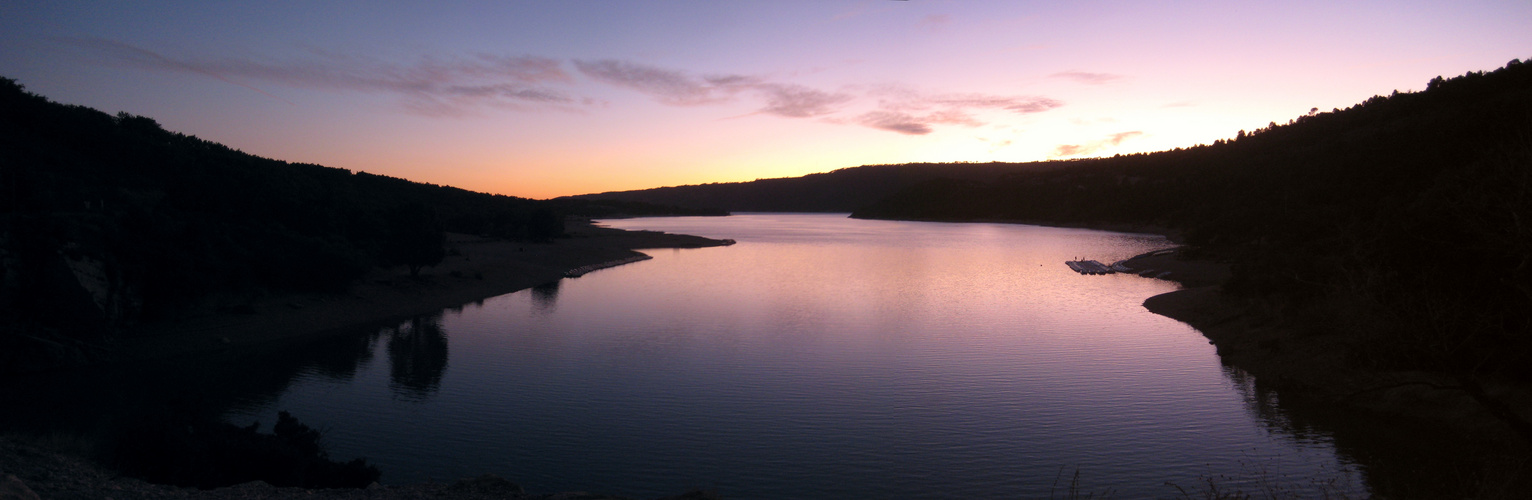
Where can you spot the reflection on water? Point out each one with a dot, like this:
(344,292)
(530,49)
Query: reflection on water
(337,358)
(202,388)
(820,357)
(417,357)
(1393,458)
(545,297)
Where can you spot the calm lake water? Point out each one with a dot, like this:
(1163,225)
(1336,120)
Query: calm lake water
(820,357)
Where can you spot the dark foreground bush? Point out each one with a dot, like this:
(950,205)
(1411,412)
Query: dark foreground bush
(215,454)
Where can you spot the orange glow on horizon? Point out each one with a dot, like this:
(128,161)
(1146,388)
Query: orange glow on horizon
(547,99)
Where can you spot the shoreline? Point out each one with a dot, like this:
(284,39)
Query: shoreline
(1312,362)
(474,269)
(1173,235)
(1248,337)
(1306,360)
(33,469)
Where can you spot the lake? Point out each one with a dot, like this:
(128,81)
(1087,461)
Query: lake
(820,357)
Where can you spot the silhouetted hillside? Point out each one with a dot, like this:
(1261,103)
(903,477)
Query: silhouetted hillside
(1401,222)
(842,190)
(1410,214)
(109,219)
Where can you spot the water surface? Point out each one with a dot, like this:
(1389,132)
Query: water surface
(820,357)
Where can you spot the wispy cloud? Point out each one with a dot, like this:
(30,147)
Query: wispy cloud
(863,8)
(797,101)
(895,121)
(1023,105)
(995,145)
(903,98)
(1070,150)
(667,86)
(935,22)
(678,88)
(1087,77)
(464,85)
(923,109)
(894,108)
(1122,136)
(1094,146)
(430,85)
(142,58)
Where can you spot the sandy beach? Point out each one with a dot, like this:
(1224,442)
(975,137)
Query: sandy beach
(474,269)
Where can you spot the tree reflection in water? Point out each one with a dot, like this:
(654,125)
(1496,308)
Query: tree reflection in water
(545,297)
(1432,462)
(417,356)
(337,358)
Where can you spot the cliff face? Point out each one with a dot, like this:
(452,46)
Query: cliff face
(62,280)
(115,300)
(70,302)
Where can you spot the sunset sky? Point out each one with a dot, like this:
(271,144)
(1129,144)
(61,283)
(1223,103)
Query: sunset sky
(549,98)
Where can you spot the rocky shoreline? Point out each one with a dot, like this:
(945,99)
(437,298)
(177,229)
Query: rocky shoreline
(30,470)
(476,268)
(1278,352)
(1315,361)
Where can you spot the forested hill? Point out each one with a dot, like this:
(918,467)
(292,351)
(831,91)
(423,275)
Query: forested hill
(1410,213)
(162,218)
(1368,158)
(842,190)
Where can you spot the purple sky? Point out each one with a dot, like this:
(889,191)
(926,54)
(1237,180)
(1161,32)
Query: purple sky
(544,98)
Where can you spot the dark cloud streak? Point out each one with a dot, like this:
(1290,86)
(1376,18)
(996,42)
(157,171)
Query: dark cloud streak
(895,122)
(667,86)
(430,86)
(456,86)
(797,101)
(142,58)
(676,88)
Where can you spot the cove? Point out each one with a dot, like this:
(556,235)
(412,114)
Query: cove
(819,357)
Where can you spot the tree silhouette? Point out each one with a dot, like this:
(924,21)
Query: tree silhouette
(416,237)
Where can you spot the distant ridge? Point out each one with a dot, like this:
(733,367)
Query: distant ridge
(150,220)
(1403,223)
(842,190)
(1399,229)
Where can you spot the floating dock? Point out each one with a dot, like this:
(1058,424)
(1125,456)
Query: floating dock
(1093,267)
